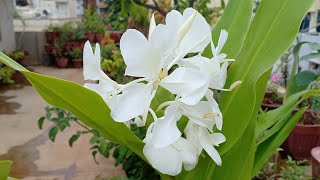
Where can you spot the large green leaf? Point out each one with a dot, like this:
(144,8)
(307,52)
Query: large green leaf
(274,20)
(85,104)
(267,148)
(245,147)
(300,82)
(5,169)
(235,20)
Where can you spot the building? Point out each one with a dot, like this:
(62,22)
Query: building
(7,36)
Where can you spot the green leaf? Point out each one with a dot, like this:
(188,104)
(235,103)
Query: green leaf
(94,139)
(314,46)
(40,122)
(272,121)
(73,139)
(311,56)
(53,133)
(94,154)
(240,157)
(300,82)
(85,104)
(5,169)
(75,98)
(260,51)
(11,63)
(235,20)
(245,147)
(267,148)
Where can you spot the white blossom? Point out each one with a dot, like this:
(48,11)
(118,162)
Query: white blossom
(160,60)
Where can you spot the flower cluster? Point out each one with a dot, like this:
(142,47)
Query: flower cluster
(160,60)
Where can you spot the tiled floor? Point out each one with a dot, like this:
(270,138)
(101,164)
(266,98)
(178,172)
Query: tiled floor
(35,157)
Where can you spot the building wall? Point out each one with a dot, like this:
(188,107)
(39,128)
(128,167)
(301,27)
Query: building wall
(37,39)
(7,39)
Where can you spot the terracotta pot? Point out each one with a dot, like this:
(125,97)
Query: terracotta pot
(79,45)
(19,78)
(51,36)
(90,37)
(116,36)
(301,140)
(25,61)
(315,160)
(99,37)
(67,46)
(48,48)
(77,63)
(62,62)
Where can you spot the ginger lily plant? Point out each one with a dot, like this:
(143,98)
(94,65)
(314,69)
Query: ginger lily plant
(151,60)
(190,135)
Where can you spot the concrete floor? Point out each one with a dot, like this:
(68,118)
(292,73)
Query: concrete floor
(35,157)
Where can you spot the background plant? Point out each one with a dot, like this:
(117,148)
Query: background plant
(6,74)
(131,163)
(76,53)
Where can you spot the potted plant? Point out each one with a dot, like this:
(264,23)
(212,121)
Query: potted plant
(52,33)
(274,93)
(76,55)
(91,22)
(79,35)
(306,134)
(60,56)
(100,33)
(26,58)
(6,75)
(62,61)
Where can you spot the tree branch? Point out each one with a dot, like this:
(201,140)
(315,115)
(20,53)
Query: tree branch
(153,7)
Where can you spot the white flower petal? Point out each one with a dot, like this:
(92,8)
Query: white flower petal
(192,134)
(222,40)
(217,138)
(198,35)
(207,145)
(187,83)
(131,103)
(91,64)
(138,121)
(137,54)
(163,41)
(198,114)
(174,20)
(152,25)
(165,130)
(166,160)
(218,81)
(188,153)
(215,108)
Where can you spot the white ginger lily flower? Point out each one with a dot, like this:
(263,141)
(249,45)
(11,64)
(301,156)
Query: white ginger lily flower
(151,59)
(205,114)
(125,106)
(169,159)
(193,30)
(202,139)
(211,68)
